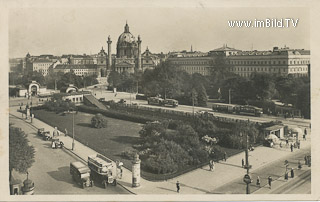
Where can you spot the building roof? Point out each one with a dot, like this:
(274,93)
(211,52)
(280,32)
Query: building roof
(224,48)
(274,127)
(42,60)
(67,66)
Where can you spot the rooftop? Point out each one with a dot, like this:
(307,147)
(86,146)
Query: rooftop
(67,66)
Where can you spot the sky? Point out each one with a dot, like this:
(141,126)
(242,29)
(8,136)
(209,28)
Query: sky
(57,31)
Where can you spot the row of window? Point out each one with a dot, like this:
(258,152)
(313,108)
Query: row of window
(194,68)
(264,62)
(191,62)
(269,69)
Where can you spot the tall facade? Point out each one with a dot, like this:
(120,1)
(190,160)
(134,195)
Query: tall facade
(128,57)
(281,61)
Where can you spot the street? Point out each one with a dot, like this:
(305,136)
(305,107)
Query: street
(276,170)
(50,171)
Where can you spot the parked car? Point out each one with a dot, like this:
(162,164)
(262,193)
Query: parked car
(56,143)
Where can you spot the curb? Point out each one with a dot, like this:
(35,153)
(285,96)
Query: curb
(70,151)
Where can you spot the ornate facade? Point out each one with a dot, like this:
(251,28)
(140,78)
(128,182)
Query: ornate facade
(128,57)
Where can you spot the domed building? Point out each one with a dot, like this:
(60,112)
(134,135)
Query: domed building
(128,57)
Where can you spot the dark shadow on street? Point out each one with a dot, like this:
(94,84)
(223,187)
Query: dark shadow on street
(175,191)
(230,164)
(62,175)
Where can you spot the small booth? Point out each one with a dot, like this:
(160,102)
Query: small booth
(275,131)
(295,133)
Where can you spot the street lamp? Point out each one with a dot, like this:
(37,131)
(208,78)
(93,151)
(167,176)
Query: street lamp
(72,131)
(247,178)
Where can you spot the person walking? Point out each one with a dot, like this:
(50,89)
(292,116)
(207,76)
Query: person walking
(210,165)
(178,186)
(258,181)
(299,165)
(287,142)
(269,181)
(291,146)
(304,136)
(242,163)
(298,143)
(65,132)
(213,168)
(286,175)
(292,173)
(225,156)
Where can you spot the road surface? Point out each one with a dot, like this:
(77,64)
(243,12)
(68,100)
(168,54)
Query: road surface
(50,172)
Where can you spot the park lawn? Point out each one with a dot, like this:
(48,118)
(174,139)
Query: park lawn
(119,135)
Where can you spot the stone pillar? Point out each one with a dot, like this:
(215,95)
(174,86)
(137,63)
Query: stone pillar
(136,171)
(109,61)
(139,53)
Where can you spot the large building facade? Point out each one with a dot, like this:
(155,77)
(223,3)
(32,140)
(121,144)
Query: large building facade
(128,57)
(282,61)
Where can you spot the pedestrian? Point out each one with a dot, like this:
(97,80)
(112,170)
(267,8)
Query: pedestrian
(225,156)
(213,168)
(299,165)
(53,145)
(32,116)
(291,146)
(298,143)
(280,144)
(20,108)
(258,181)
(269,181)
(305,131)
(210,165)
(292,173)
(305,160)
(178,186)
(242,163)
(286,175)
(65,132)
(287,141)
(304,137)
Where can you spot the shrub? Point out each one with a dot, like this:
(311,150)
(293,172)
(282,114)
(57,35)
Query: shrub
(129,154)
(99,121)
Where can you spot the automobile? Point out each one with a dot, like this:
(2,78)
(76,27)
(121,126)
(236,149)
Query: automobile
(102,99)
(81,174)
(56,143)
(268,142)
(40,131)
(46,135)
(122,101)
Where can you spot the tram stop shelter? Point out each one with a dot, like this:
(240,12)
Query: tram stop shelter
(274,132)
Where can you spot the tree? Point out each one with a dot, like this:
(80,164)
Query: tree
(99,121)
(21,154)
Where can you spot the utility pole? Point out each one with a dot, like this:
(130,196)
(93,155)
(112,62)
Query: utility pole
(72,131)
(247,178)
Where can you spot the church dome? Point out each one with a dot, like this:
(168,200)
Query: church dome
(126,36)
(127,46)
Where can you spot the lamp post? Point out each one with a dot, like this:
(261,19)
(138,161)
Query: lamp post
(247,178)
(72,131)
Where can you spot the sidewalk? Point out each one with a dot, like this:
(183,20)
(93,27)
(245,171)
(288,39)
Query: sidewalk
(199,181)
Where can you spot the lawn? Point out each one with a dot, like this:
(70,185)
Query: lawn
(111,141)
(119,136)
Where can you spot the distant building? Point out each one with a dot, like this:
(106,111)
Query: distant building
(15,64)
(79,70)
(128,57)
(149,60)
(282,61)
(42,65)
(81,60)
(191,62)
